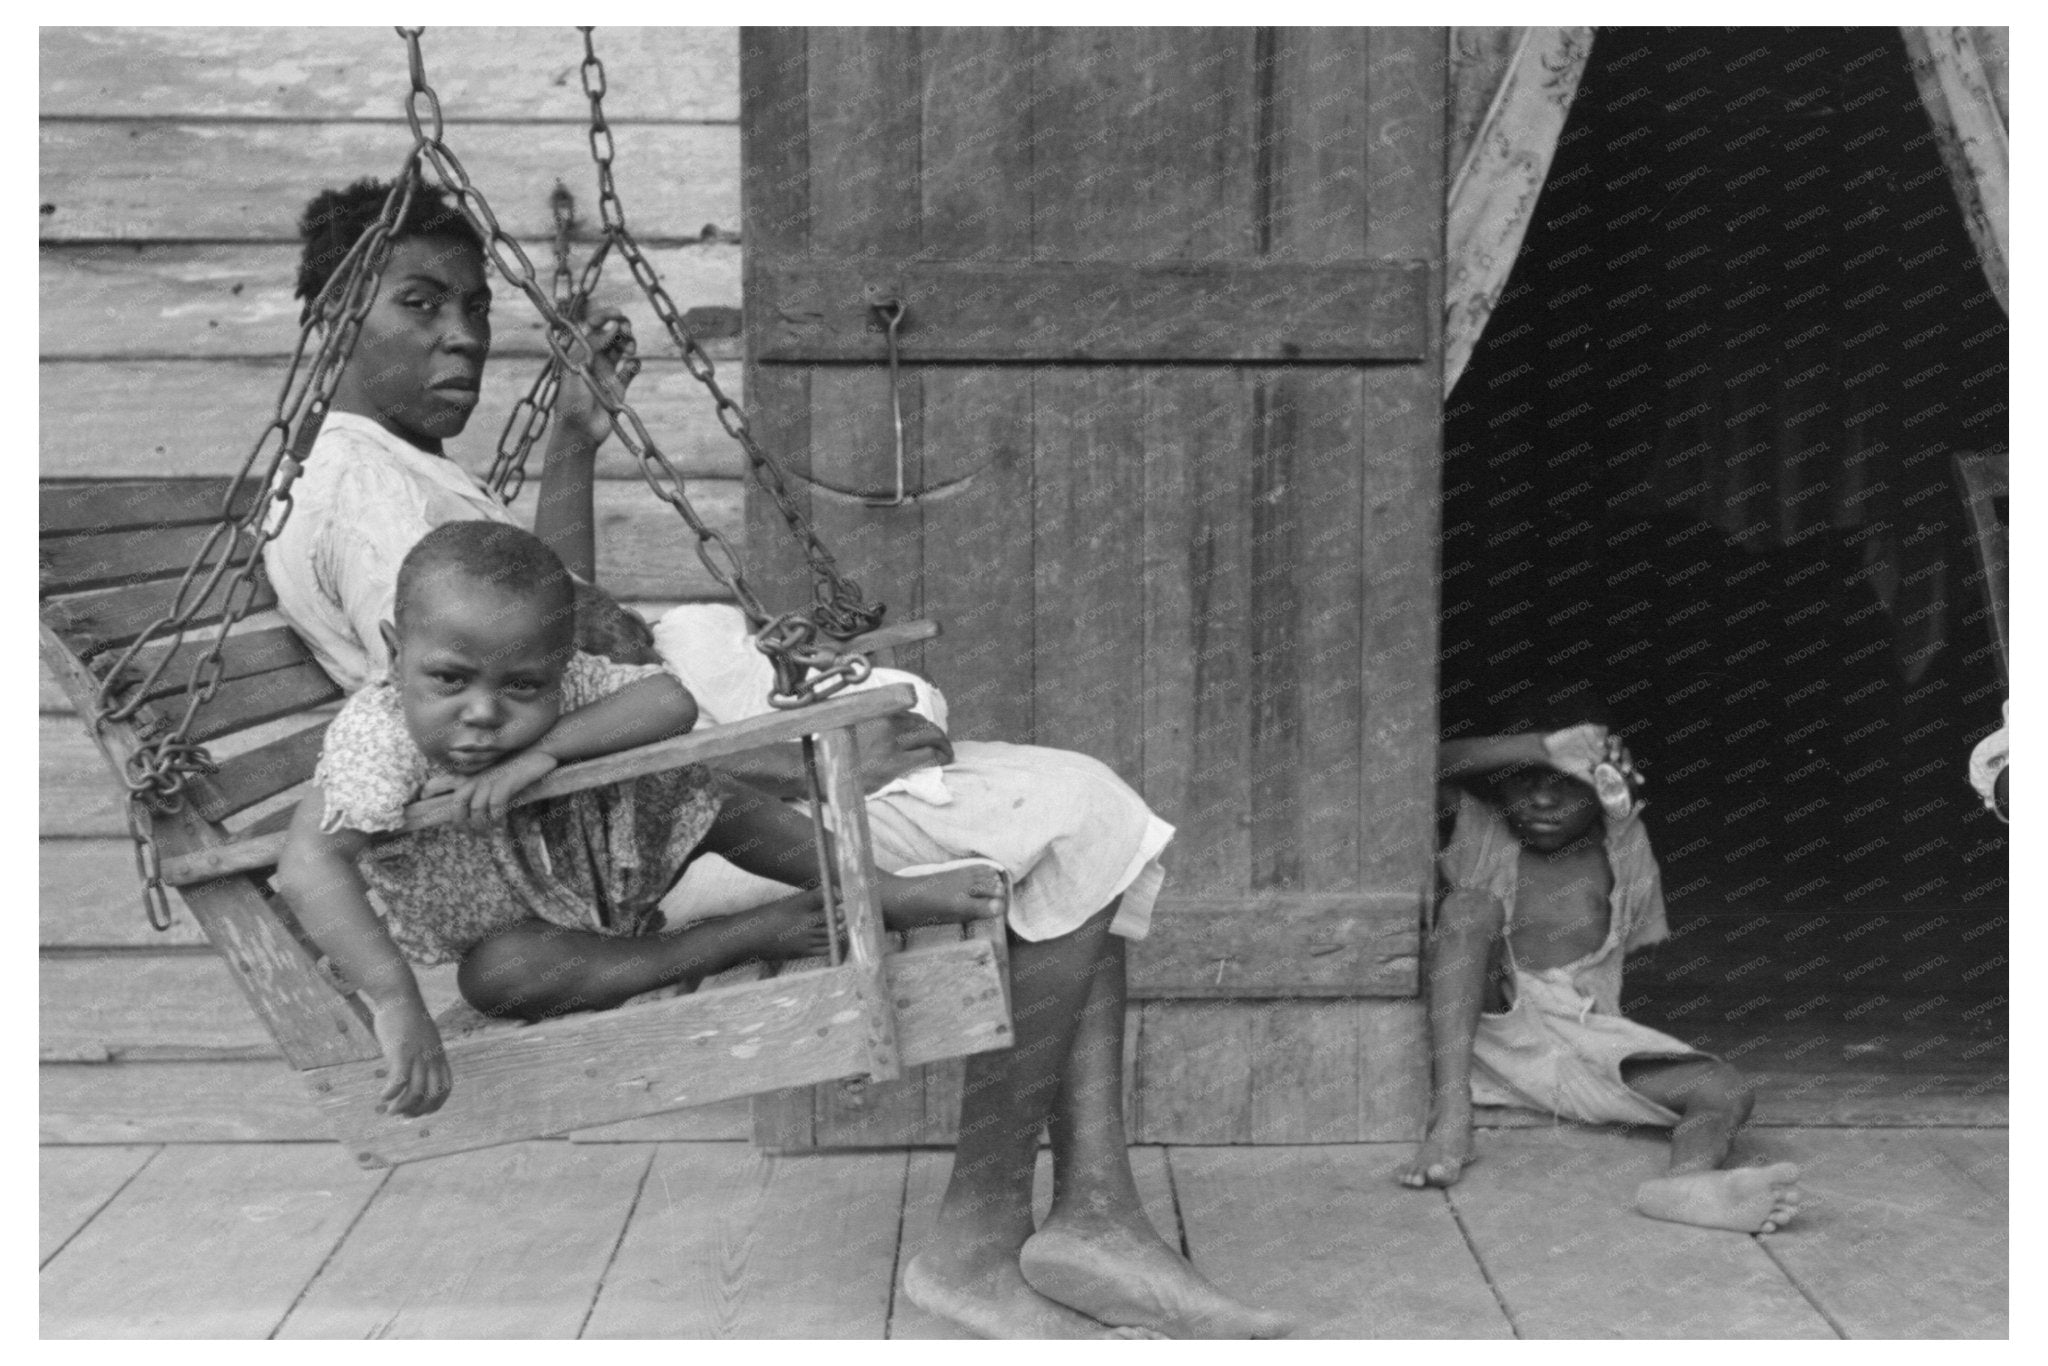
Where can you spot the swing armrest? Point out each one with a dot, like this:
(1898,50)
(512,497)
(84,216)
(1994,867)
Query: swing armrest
(261,852)
(890,637)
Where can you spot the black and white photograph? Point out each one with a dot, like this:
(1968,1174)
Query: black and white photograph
(1121,682)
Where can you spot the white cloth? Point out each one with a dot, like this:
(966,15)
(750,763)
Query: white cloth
(363,500)
(1989,759)
(1072,835)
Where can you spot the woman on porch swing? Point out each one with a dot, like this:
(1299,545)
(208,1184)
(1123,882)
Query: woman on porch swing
(1081,848)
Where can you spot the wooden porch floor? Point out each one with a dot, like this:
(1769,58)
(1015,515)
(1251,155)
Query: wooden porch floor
(1904,1234)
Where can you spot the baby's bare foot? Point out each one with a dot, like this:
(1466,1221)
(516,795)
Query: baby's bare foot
(973,892)
(1746,1199)
(1442,1157)
(1121,1276)
(989,1298)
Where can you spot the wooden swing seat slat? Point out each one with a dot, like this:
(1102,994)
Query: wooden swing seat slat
(942,995)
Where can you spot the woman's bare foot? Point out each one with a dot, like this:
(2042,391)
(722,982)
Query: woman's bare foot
(986,1294)
(1443,1156)
(970,892)
(1746,1199)
(1120,1275)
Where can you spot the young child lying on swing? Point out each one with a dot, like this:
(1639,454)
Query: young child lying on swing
(1544,892)
(550,907)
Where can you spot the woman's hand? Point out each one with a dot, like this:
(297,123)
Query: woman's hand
(420,1075)
(486,798)
(891,746)
(611,337)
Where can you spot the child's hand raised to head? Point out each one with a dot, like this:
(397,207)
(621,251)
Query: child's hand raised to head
(1576,749)
(486,798)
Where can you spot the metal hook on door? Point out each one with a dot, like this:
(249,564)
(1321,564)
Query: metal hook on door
(891,310)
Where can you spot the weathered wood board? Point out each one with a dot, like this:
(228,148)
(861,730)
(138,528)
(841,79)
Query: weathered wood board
(74,1184)
(210,1241)
(146,180)
(729,1243)
(535,1222)
(665,74)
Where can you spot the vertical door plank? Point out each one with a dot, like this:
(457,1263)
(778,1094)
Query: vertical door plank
(775,162)
(1892,1241)
(1548,1211)
(1317,203)
(1194,1072)
(506,1242)
(1405,89)
(74,1184)
(1325,1235)
(727,1243)
(853,455)
(1305,1087)
(976,143)
(864,141)
(212,1241)
(1088,565)
(779,415)
(1198,489)
(977,548)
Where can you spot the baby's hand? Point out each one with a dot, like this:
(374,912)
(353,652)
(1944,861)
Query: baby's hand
(1577,749)
(420,1076)
(486,798)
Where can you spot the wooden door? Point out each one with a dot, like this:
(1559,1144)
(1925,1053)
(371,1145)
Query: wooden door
(1171,400)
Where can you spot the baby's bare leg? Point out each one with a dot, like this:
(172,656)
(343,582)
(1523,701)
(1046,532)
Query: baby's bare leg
(1455,957)
(1097,1251)
(1713,1101)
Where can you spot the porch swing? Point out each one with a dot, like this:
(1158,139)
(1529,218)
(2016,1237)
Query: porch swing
(148,582)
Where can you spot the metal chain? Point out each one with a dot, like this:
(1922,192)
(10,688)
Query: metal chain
(804,672)
(838,605)
(225,567)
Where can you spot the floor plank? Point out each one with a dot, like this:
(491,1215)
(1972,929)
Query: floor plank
(1983,1155)
(1548,1214)
(726,1242)
(508,1242)
(1324,1234)
(211,1241)
(1892,1241)
(74,1184)
(926,1184)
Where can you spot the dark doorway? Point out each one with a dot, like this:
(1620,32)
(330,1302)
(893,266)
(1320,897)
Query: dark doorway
(1702,457)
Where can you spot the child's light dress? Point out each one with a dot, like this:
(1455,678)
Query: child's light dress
(596,860)
(1560,1043)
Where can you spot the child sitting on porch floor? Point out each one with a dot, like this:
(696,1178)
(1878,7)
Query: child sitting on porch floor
(551,907)
(1544,893)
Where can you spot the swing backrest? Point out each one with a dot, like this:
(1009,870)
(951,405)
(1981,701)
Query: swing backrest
(111,558)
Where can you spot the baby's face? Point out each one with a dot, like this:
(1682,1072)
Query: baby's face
(479,673)
(1546,809)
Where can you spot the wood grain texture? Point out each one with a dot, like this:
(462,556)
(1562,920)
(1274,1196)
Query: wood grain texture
(1324,1235)
(151,180)
(358,73)
(1278,944)
(1548,1213)
(88,896)
(175,1102)
(1892,1241)
(190,300)
(249,1227)
(204,416)
(728,1243)
(535,1222)
(727,1121)
(74,1184)
(1078,310)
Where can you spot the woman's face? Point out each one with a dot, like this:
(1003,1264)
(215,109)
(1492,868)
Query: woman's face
(418,363)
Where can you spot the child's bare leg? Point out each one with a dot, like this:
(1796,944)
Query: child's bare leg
(1713,1101)
(969,1272)
(763,836)
(536,970)
(1097,1251)
(1456,952)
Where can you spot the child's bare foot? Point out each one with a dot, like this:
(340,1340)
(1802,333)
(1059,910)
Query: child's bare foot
(1443,1156)
(1120,1275)
(970,892)
(986,1295)
(1746,1199)
(793,927)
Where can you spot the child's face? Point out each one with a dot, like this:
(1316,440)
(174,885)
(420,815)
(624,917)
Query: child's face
(479,672)
(1546,809)
(419,360)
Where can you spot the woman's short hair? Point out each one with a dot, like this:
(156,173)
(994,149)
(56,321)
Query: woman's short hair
(334,219)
